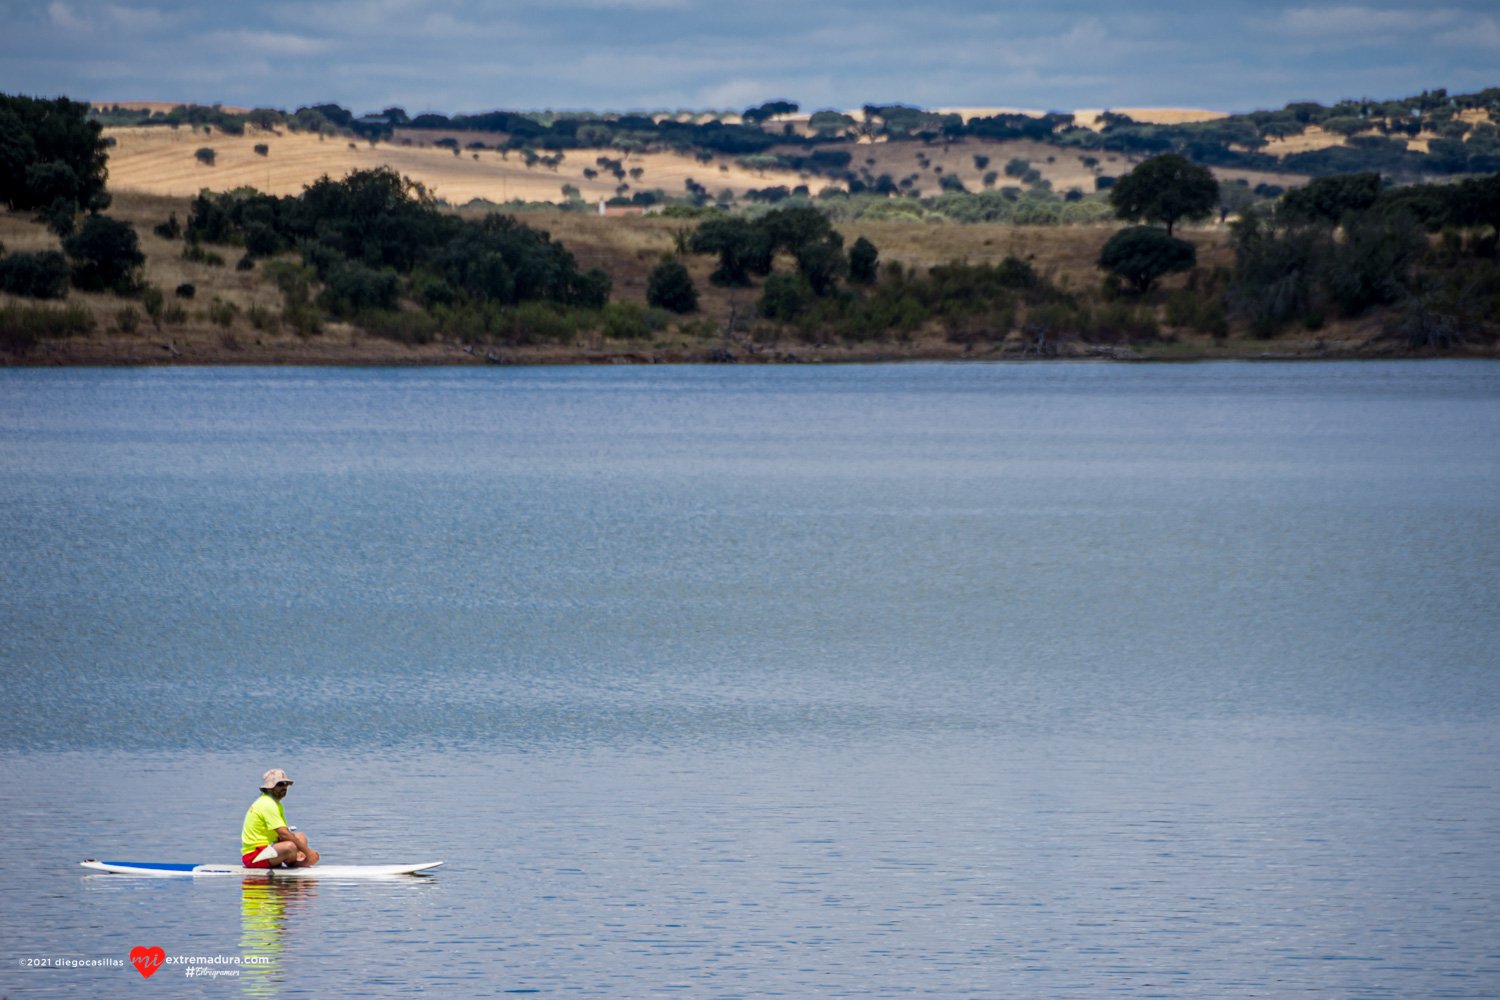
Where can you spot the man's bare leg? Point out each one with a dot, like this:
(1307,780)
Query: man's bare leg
(306,857)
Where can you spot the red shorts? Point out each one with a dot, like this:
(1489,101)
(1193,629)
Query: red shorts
(249,861)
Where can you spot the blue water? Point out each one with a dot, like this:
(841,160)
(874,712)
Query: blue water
(953,680)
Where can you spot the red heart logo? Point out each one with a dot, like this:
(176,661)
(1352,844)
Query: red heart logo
(147,960)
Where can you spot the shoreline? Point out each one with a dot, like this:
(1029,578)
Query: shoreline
(158,352)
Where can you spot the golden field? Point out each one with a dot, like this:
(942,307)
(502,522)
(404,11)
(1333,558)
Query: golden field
(160,160)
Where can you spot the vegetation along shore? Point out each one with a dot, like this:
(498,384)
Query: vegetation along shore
(141,235)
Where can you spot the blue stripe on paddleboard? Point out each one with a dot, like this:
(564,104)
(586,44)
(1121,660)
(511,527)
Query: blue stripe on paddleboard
(152,866)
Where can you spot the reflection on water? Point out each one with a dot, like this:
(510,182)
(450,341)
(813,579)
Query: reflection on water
(812,681)
(267,906)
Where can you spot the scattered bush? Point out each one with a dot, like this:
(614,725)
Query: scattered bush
(261,149)
(222,313)
(186,290)
(195,253)
(169,230)
(35,275)
(174,314)
(127,319)
(262,318)
(154,302)
(205,156)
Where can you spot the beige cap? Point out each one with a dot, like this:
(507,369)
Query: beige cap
(274,777)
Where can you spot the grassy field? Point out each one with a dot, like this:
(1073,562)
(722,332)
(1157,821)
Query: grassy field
(627,248)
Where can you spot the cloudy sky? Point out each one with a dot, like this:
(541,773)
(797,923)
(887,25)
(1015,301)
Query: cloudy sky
(466,55)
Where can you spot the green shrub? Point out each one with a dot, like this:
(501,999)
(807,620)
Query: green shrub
(154,302)
(106,254)
(35,275)
(784,297)
(174,314)
(186,290)
(1369,266)
(822,263)
(127,319)
(1329,199)
(169,230)
(864,259)
(669,286)
(222,313)
(260,240)
(408,327)
(625,321)
(1204,313)
(354,286)
(590,290)
(1142,254)
(21,326)
(262,318)
(195,253)
(1122,321)
(205,156)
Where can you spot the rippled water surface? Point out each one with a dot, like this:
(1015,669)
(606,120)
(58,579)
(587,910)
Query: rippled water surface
(961,681)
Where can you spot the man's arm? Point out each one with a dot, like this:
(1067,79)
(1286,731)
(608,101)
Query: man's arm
(283,833)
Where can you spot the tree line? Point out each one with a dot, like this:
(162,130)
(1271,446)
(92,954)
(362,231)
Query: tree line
(1377,133)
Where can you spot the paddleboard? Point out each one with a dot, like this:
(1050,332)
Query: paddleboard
(316,871)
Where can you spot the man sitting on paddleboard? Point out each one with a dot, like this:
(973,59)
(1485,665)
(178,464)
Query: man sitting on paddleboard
(267,842)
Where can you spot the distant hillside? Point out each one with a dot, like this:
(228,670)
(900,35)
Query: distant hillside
(1429,134)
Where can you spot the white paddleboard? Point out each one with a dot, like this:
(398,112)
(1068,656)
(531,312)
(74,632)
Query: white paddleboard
(316,871)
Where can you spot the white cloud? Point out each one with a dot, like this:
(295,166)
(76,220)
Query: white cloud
(1485,34)
(135,18)
(266,43)
(1351,26)
(63,17)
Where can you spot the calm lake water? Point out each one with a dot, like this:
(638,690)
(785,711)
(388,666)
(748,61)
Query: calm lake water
(947,680)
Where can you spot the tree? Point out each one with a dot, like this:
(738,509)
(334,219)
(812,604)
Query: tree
(1234,198)
(106,253)
(39,132)
(784,297)
(791,229)
(770,109)
(1166,189)
(742,248)
(1329,199)
(669,286)
(34,275)
(206,156)
(1477,203)
(864,261)
(1142,254)
(822,264)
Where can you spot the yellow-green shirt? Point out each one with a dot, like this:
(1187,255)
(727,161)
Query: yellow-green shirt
(264,816)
